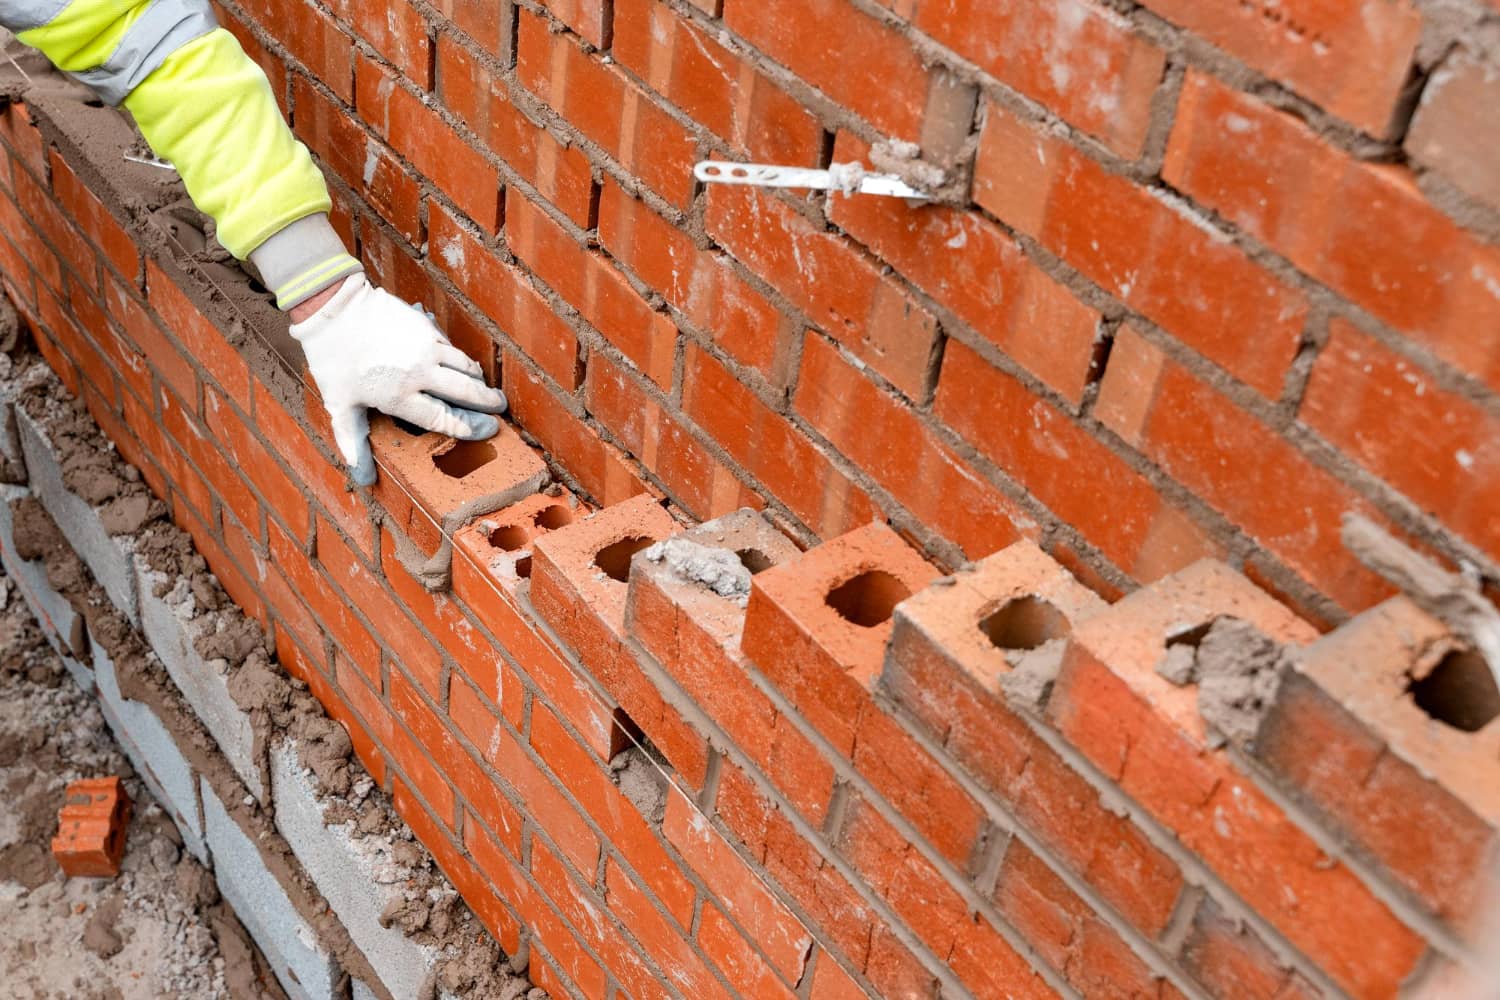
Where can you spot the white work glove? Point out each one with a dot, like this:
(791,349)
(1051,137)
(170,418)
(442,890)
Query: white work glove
(367,348)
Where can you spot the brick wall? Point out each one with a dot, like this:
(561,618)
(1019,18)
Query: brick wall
(1201,305)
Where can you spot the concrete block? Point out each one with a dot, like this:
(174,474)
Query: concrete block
(206,690)
(154,753)
(358,876)
(306,971)
(62,626)
(109,559)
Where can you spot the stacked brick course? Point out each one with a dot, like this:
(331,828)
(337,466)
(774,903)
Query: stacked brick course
(1198,302)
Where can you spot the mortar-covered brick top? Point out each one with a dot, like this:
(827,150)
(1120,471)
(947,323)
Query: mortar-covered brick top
(1134,634)
(1368,665)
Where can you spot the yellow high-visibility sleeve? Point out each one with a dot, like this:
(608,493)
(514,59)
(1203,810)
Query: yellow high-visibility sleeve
(204,105)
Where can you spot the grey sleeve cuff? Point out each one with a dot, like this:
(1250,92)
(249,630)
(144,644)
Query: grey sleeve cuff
(303,258)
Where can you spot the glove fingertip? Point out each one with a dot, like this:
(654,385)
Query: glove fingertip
(478,426)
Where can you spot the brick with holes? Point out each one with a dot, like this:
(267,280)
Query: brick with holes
(693,631)
(1386,729)
(431,485)
(818,625)
(90,837)
(578,585)
(1147,735)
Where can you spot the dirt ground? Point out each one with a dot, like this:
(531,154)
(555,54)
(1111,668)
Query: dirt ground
(159,929)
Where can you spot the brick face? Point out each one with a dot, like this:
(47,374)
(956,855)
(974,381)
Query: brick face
(1183,317)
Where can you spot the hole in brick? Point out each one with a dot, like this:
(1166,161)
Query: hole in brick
(1024,623)
(1459,692)
(523,567)
(868,599)
(464,457)
(553,517)
(508,537)
(407,427)
(754,560)
(614,559)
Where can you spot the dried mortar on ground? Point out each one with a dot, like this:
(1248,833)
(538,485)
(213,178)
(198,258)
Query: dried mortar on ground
(158,929)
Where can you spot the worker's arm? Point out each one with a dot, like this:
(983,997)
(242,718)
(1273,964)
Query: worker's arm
(205,106)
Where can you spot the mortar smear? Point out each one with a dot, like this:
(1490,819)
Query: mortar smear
(720,570)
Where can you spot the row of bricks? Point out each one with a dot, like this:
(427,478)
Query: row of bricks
(1165,537)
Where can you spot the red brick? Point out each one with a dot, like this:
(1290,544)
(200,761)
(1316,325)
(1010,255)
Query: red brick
(825,275)
(1069,935)
(204,452)
(301,598)
(364,162)
(1079,59)
(432,485)
(714,85)
(588,913)
(1084,483)
(313,38)
(1259,480)
(433,147)
(826,661)
(37,204)
(97,223)
(202,339)
(600,102)
(480,19)
(479,791)
(1151,250)
(386,617)
(831,982)
(443,618)
(154,353)
(701,283)
(1435,446)
(658,939)
(324,478)
(589,18)
(1416,794)
(893,867)
(771,448)
(1226,958)
(283,498)
(19,131)
(970,265)
(92,825)
(1148,736)
(505,296)
(695,635)
(942,491)
(736,959)
(1332,216)
(662,443)
(601,469)
(857,61)
(487,577)
(397,30)
(599,292)
(584,602)
(547,807)
(1353,59)
(1458,123)
(737,888)
(561,173)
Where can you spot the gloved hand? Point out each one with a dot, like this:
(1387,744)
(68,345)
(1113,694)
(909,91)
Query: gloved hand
(367,348)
